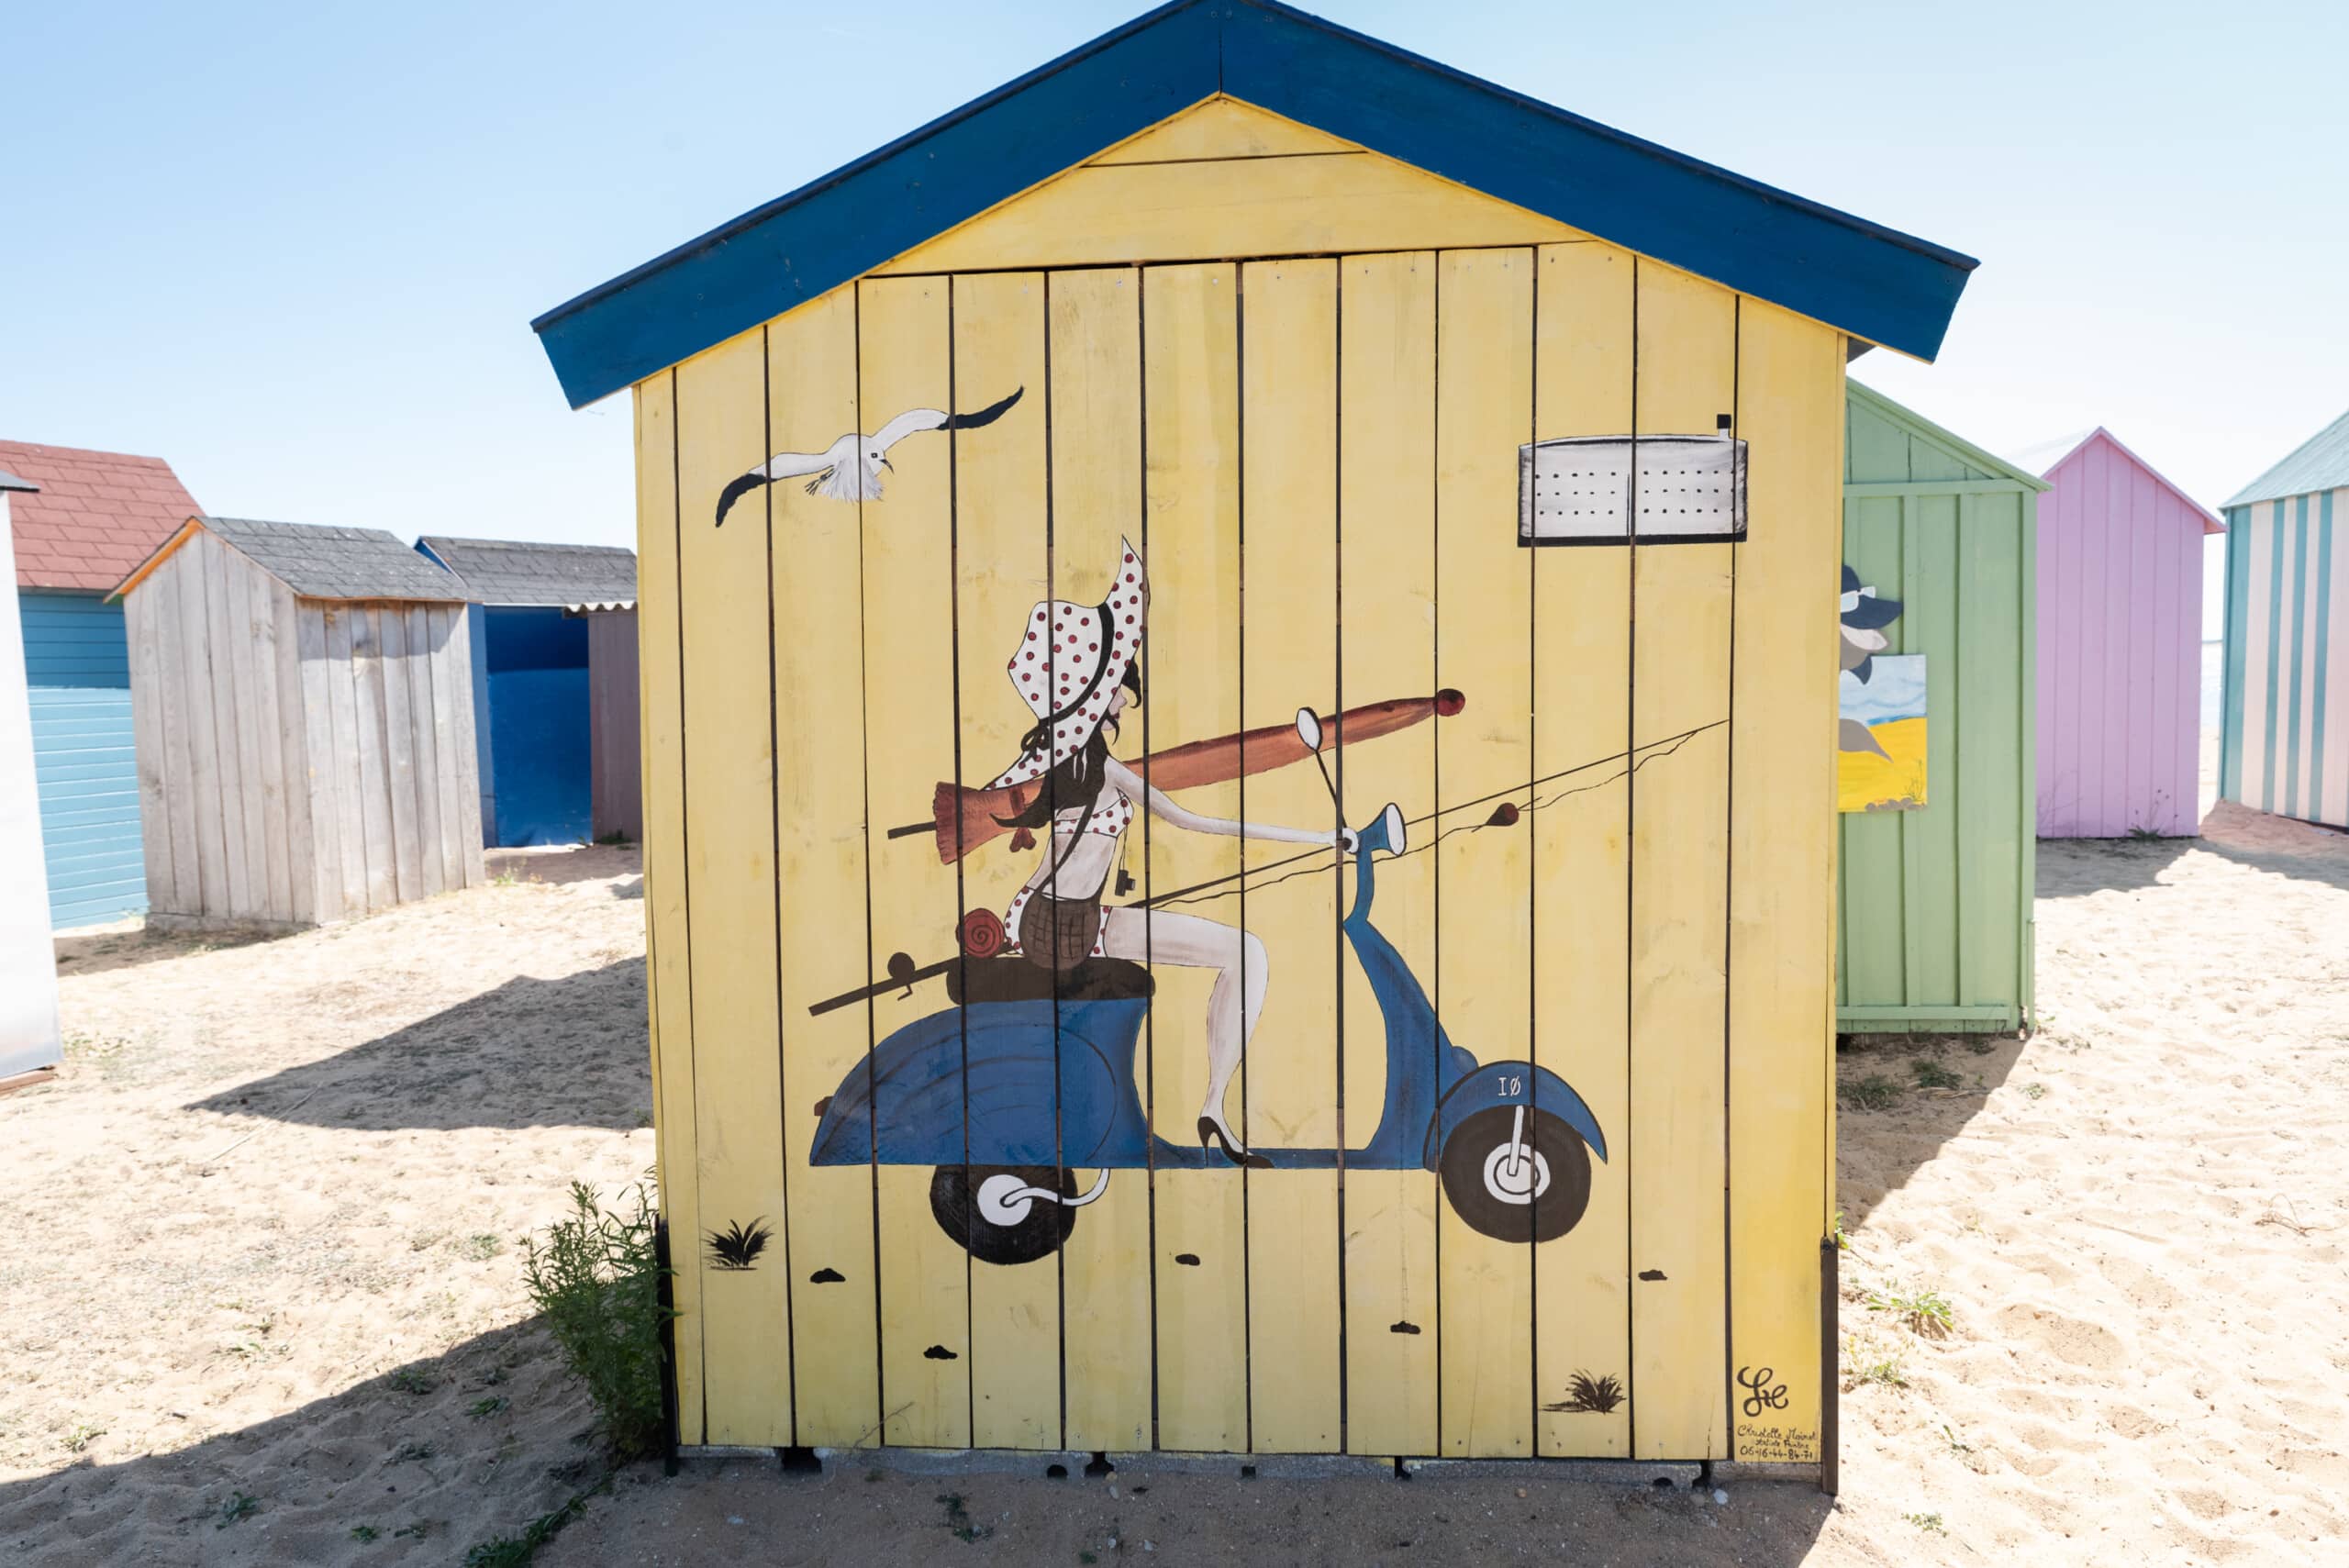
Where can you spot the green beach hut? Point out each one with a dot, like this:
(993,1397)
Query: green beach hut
(1934,917)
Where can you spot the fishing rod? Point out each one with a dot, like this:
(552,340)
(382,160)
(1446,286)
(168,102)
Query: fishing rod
(1642,755)
(903,974)
(964,818)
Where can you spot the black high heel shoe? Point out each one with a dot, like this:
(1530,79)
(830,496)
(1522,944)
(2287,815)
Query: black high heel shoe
(1241,1157)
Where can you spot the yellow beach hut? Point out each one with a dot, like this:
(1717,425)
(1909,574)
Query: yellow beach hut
(1089,548)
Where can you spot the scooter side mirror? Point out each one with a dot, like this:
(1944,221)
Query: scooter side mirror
(1308,729)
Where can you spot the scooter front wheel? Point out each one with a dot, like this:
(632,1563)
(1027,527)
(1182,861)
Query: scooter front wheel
(1516,1174)
(967,1202)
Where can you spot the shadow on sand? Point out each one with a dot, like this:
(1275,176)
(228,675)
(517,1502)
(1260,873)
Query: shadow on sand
(400,1468)
(2069,868)
(567,1052)
(1906,1097)
(96,953)
(401,1455)
(559,866)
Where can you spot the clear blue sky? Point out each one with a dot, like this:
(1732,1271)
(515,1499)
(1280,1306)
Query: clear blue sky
(295,249)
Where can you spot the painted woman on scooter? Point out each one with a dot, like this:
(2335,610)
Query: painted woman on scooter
(1076,668)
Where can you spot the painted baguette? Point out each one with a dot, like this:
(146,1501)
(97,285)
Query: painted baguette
(965,818)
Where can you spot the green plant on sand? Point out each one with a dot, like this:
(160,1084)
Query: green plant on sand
(1925,1311)
(1932,1074)
(1873,1093)
(595,1278)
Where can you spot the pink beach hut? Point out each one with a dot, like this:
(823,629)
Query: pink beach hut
(2120,641)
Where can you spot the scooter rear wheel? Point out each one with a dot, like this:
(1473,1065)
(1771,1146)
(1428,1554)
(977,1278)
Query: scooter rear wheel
(1037,1231)
(1537,1197)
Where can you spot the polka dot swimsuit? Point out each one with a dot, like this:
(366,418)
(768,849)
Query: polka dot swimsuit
(1110,817)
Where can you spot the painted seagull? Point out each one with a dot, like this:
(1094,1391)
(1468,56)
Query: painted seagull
(850,469)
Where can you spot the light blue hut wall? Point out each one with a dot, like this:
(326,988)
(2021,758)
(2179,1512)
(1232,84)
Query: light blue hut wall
(1934,927)
(77,671)
(2284,738)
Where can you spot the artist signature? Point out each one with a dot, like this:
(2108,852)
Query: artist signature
(1761,1393)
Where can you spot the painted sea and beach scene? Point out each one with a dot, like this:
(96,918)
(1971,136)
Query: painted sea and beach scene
(1889,776)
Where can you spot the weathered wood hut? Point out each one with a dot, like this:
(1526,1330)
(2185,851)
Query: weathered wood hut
(303,704)
(534,680)
(29,1035)
(2120,642)
(1232,295)
(1935,927)
(2284,745)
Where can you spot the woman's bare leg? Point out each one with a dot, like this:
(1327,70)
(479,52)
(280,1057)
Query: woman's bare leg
(1195,942)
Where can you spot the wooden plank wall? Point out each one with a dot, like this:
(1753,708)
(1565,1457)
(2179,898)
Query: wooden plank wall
(1332,442)
(614,726)
(1936,902)
(300,762)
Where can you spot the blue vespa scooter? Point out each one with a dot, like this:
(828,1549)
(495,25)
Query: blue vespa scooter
(1023,1081)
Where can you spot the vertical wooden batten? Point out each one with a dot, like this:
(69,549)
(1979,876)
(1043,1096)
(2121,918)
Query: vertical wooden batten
(1002,569)
(1387,641)
(728,704)
(1094,374)
(1191,686)
(820,818)
(668,940)
(1581,865)
(1686,338)
(1288,659)
(1484,968)
(908,660)
(1781,875)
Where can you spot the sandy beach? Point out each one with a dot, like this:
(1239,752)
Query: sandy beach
(267,1248)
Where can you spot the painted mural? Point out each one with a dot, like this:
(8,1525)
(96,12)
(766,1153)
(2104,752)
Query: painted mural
(1241,945)
(1030,1073)
(1880,729)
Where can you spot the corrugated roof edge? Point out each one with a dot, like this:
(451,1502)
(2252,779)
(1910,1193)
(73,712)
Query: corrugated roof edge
(179,536)
(2326,468)
(976,159)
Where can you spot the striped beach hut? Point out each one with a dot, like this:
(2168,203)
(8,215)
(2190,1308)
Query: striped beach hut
(2284,744)
(2120,641)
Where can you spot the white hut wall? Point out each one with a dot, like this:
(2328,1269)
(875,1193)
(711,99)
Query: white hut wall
(29,1034)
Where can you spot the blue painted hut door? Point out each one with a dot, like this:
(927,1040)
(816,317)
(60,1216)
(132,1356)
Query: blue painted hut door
(540,789)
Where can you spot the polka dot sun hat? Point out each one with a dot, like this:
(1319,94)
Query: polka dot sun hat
(1069,663)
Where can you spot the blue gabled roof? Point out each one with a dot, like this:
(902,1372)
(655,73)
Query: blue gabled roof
(1872,282)
(2321,463)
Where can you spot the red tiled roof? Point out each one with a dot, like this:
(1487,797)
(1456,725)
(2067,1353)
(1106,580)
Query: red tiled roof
(96,516)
